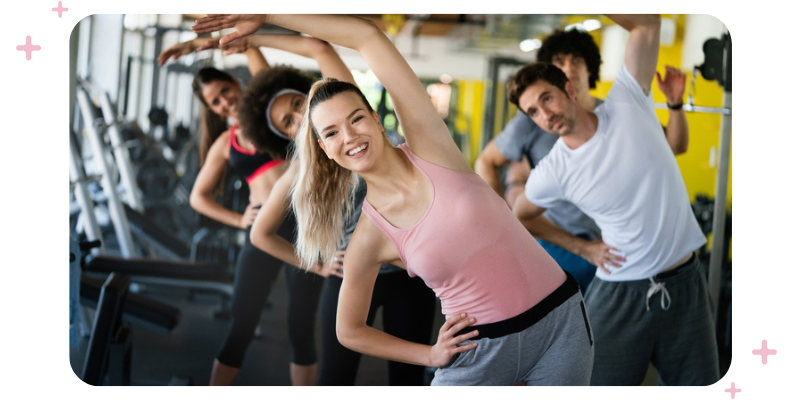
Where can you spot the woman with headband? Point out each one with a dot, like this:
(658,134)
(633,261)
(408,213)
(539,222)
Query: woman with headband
(256,271)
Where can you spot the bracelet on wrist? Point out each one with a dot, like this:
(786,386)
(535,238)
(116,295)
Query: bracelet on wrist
(676,106)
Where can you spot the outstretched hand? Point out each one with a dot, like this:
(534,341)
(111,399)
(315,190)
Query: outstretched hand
(237,46)
(447,344)
(182,49)
(673,84)
(245,24)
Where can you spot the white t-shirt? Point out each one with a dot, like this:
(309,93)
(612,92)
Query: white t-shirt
(625,178)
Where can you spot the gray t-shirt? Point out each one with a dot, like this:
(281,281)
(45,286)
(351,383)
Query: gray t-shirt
(350,223)
(522,137)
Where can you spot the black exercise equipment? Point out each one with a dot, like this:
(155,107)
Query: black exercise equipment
(159,268)
(158,116)
(166,242)
(717,64)
(137,310)
(109,336)
(108,357)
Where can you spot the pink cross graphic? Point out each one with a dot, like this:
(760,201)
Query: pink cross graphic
(60,9)
(28,48)
(733,390)
(764,352)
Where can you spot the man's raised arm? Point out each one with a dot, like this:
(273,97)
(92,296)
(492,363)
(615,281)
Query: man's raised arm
(641,51)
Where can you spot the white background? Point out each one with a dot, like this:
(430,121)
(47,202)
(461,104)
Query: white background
(35,360)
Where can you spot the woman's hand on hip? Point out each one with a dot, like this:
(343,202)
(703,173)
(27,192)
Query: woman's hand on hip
(447,344)
(333,267)
(249,215)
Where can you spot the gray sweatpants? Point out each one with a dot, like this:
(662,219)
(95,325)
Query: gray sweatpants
(677,337)
(555,351)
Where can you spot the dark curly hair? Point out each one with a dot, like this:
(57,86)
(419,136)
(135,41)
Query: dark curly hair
(252,113)
(576,42)
(532,73)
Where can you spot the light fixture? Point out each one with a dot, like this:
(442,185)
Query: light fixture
(591,24)
(530,45)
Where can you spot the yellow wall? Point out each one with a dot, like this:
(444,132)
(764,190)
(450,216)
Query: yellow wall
(469,118)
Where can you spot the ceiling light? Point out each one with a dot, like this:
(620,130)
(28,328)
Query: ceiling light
(591,24)
(530,44)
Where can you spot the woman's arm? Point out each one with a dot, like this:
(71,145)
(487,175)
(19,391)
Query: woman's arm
(425,132)
(190,46)
(264,233)
(330,64)
(255,59)
(202,197)
(368,249)
(256,62)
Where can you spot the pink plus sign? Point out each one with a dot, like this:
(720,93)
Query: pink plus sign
(733,390)
(764,352)
(60,9)
(28,48)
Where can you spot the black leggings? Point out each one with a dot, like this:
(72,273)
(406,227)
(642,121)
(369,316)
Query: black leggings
(408,308)
(256,272)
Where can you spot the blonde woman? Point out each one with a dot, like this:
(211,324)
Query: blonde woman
(272,108)
(512,314)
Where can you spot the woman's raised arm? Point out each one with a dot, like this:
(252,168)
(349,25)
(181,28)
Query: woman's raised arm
(256,62)
(425,132)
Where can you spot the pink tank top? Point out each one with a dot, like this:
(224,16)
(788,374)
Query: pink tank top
(471,249)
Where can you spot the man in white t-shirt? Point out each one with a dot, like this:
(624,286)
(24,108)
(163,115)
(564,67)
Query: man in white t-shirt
(614,164)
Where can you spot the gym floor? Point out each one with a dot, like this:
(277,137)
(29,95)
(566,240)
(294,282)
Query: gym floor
(189,350)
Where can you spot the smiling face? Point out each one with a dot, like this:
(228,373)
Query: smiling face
(222,97)
(348,131)
(287,112)
(549,107)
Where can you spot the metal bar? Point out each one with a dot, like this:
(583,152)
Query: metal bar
(115,209)
(125,99)
(491,103)
(219,287)
(82,196)
(158,38)
(720,206)
(121,155)
(700,109)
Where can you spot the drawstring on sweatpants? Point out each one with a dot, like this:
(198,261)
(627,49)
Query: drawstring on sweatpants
(655,287)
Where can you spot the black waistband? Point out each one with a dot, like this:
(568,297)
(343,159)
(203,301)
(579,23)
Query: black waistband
(527,318)
(676,270)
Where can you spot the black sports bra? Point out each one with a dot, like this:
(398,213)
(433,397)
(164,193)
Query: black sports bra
(248,164)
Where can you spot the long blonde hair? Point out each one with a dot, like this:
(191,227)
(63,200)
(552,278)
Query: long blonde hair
(323,191)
